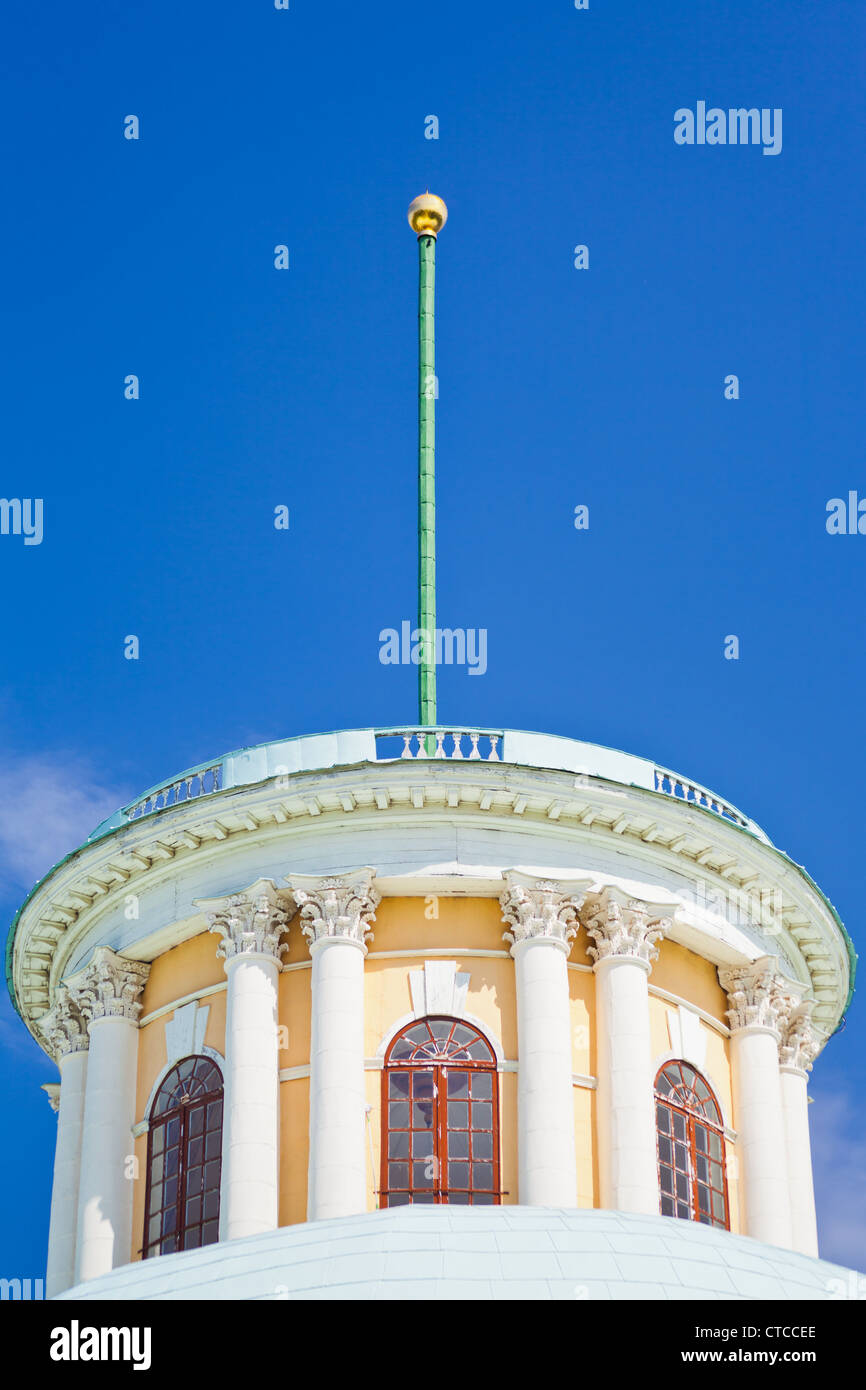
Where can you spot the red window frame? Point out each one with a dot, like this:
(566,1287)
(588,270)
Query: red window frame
(690,1147)
(184,1159)
(440,1116)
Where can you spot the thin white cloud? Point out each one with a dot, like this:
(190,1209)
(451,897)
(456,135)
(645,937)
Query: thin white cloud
(49,804)
(839,1165)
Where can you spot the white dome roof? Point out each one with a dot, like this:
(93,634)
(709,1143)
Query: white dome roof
(424,1252)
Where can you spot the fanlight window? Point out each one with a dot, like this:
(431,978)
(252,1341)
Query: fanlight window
(440,1117)
(184,1158)
(691,1147)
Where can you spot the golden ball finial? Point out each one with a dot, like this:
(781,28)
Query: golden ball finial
(427,215)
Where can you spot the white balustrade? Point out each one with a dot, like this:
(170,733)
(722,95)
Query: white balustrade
(415,744)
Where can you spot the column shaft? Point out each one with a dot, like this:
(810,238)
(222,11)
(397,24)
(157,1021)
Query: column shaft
(338,1164)
(760,1125)
(249,1189)
(106,1183)
(336,912)
(625,931)
(547,1159)
(795,1101)
(60,1271)
(628,1171)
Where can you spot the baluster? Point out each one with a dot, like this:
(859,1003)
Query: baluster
(494,756)
(422,746)
(407,751)
(216,777)
(474,740)
(457,751)
(440,744)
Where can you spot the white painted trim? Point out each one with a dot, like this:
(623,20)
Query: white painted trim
(662,1060)
(179,1003)
(183,838)
(433,951)
(589,1083)
(378,1064)
(465,1018)
(687,1004)
(143,1125)
(429,951)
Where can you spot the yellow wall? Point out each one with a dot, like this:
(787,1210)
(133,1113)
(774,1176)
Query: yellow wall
(462,928)
(683,972)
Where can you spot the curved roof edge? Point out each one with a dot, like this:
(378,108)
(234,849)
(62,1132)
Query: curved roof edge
(341,748)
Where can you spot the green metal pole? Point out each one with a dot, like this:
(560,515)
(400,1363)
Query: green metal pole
(427,482)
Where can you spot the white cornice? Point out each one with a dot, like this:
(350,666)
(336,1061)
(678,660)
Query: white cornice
(502,815)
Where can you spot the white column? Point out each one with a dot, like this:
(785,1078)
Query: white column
(542,917)
(625,931)
(758,1117)
(108,996)
(335,913)
(798,1050)
(65,1030)
(250,925)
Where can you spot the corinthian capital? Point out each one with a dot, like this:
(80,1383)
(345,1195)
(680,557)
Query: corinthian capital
(541,908)
(626,928)
(339,906)
(248,923)
(755,993)
(799,1043)
(64,1027)
(111,986)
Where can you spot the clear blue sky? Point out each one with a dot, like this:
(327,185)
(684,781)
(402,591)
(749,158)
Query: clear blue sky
(557,387)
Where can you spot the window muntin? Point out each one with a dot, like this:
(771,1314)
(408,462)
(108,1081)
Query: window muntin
(440,1120)
(184,1159)
(690,1146)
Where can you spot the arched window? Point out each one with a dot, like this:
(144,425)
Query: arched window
(184,1158)
(440,1116)
(691,1147)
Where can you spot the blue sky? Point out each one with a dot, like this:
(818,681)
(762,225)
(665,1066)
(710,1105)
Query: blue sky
(558,387)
